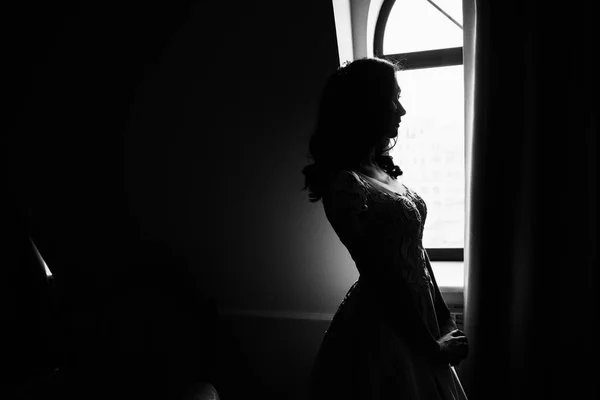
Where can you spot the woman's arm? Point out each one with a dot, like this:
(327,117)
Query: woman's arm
(444,317)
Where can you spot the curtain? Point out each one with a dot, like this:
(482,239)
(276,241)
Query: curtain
(530,276)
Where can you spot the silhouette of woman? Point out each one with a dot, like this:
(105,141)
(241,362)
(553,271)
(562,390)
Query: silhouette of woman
(392,336)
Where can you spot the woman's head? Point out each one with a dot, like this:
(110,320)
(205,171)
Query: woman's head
(358,116)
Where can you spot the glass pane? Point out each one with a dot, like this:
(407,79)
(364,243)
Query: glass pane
(416,25)
(430,149)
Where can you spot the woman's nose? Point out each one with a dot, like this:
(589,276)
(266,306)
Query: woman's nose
(401,110)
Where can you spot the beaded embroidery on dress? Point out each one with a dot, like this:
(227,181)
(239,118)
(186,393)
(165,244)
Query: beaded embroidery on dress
(365,353)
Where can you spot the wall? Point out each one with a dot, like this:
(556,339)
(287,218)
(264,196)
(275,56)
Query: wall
(215,149)
(214,152)
(157,152)
(183,125)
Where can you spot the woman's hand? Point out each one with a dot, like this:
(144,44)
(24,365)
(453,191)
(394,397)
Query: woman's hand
(454,347)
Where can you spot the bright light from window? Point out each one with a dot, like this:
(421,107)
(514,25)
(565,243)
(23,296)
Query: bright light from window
(416,25)
(430,149)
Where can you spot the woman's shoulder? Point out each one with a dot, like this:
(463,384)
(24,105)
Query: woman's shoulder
(345,182)
(343,177)
(347,192)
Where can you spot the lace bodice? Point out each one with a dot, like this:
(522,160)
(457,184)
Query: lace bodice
(382,229)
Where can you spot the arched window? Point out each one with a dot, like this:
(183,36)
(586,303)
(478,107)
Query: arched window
(425,37)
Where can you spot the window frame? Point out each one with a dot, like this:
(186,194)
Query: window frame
(419,60)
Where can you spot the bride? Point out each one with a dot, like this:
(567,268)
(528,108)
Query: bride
(392,336)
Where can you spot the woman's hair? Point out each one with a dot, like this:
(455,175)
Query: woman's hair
(352,121)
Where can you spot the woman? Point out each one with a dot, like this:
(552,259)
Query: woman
(392,336)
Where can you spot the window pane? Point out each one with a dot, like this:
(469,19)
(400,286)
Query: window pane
(416,25)
(430,149)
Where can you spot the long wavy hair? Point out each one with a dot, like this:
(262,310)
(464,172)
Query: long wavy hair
(353,118)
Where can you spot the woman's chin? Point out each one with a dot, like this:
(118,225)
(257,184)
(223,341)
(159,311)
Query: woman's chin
(393,134)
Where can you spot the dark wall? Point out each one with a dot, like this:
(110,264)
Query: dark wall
(216,145)
(184,125)
(74,72)
(154,155)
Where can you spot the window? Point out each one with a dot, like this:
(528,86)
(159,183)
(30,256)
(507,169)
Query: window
(425,37)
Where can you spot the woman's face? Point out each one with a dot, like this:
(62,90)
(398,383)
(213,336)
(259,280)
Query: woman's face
(397,113)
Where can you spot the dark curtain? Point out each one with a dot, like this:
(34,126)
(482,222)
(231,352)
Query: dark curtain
(530,284)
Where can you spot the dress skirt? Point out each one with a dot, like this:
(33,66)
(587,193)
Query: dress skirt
(361,357)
